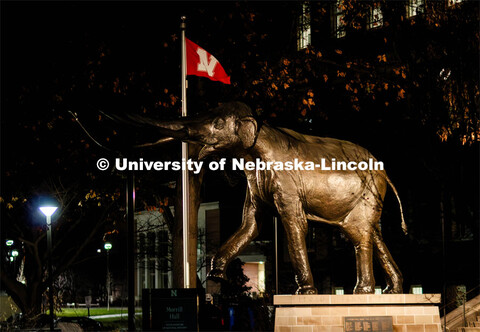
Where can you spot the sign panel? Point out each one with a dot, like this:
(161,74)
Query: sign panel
(369,324)
(88,301)
(170,309)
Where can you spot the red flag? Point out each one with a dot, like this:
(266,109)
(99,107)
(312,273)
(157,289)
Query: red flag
(202,63)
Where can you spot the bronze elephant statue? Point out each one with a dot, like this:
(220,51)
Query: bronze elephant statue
(351,200)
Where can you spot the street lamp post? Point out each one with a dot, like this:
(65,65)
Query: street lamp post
(48,211)
(107,247)
(12,254)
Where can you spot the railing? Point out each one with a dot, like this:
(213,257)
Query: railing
(471,294)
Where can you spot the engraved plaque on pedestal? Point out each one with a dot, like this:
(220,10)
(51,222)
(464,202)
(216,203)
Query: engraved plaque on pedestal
(369,324)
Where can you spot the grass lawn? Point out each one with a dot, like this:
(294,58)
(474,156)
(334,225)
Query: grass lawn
(79,312)
(110,323)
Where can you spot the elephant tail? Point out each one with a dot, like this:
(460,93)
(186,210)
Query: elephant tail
(404,225)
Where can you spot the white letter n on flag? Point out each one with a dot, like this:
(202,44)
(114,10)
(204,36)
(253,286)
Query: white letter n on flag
(202,63)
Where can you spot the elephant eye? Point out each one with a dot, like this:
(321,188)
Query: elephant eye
(219,123)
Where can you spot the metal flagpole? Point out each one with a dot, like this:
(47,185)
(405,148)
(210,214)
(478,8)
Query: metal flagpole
(185,180)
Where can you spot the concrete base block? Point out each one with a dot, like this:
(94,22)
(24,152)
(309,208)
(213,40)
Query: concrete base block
(328,313)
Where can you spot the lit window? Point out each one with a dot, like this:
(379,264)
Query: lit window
(376,17)
(415,7)
(261,277)
(338,291)
(255,271)
(304,28)
(338,19)
(416,289)
(460,296)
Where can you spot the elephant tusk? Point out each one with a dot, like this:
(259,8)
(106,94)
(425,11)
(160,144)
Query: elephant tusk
(160,141)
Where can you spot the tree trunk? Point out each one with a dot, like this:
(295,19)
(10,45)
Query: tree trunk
(28,298)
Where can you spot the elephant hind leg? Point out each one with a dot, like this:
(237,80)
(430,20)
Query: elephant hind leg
(364,256)
(393,276)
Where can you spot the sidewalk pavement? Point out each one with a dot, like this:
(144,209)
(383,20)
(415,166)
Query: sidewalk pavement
(113,315)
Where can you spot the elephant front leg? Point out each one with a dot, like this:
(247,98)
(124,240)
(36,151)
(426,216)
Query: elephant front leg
(237,242)
(296,227)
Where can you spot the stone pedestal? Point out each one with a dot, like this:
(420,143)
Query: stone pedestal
(327,313)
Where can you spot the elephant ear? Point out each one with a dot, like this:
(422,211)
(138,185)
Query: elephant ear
(247,131)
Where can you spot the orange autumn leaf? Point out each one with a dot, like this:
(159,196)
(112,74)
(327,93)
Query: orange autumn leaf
(382,58)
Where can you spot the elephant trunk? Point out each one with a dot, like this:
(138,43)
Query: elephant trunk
(185,129)
(177,129)
(173,129)
(192,130)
